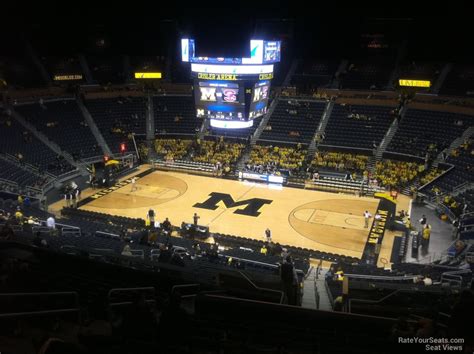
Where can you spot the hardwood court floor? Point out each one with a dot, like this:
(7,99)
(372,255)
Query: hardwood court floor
(319,220)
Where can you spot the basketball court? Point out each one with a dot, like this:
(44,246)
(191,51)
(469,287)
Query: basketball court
(323,221)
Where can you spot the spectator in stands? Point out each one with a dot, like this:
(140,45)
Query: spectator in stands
(176,259)
(152,236)
(338,303)
(32,221)
(264,250)
(287,277)
(6,232)
(68,198)
(20,200)
(427,281)
(51,223)
(37,239)
(276,250)
(339,275)
(165,254)
(127,251)
(166,225)
(213,253)
(151,216)
(93,182)
(329,274)
(19,215)
(197,248)
(367,216)
(77,192)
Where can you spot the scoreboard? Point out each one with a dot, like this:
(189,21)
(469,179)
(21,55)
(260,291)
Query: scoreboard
(219,100)
(231,92)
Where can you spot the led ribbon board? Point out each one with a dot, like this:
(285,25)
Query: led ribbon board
(232,69)
(414,83)
(67,77)
(147,75)
(231,124)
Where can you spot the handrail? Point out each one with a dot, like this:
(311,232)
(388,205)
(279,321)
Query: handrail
(66,175)
(315,284)
(319,267)
(91,159)
(182,286)
(446,210)
(316,295)
(328,291)
(106,233)
(381,277)
(467,214)
(42,312)
(43,293)
(437,177)
(112,304)
(38,313)
(9,182)
(111,291)
(402,154)
(283,142)
(345,147)
(167,133)
(43,223)
(309,272)
(456,272)
(374,301)
(282,294)
(450,278)
(256,262)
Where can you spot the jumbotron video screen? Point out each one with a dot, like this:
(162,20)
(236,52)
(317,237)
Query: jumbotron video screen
(232,92)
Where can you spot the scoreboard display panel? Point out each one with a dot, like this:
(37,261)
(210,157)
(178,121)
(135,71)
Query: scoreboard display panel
(259,103)
(219,100)
(271,51)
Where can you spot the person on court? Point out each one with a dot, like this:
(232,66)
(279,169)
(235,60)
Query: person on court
(367,216)
(423,222)
(196,217)
(134,184)
(377,219)
(268,235)
(425,238)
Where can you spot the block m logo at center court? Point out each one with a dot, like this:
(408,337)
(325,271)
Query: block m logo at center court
(251,209)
